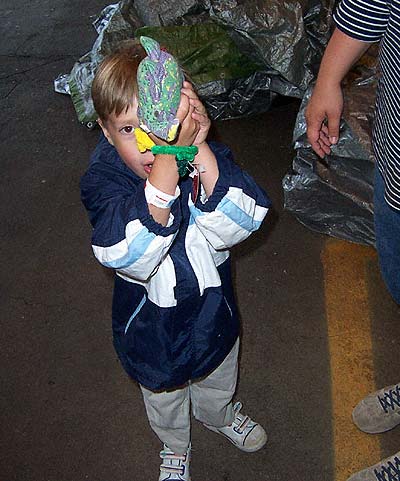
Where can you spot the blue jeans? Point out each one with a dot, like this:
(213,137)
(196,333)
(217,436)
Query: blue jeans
(387,232)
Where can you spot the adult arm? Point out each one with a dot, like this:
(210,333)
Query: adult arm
(325,107)
(359,23)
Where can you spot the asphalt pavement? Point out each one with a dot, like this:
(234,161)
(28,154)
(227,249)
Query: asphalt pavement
(68,411)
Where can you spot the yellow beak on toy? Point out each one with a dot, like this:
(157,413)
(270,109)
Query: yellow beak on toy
(143,141)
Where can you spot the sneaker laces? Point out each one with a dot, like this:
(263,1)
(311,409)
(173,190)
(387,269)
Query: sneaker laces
(172,463)
(390,399)
(240,422)
(391,472)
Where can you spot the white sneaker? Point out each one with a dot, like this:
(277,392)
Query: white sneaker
(244,433)
(174,467)
(379,411)
(386,470)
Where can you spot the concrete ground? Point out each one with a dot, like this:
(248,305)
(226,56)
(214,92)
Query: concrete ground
(319,328)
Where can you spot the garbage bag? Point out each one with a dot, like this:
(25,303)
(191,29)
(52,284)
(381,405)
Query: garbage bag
(205,51)
(114,24)
(284,40)
(333,198)
(287,38)
(335,195)
(171,12)
(271,32)
(228,82)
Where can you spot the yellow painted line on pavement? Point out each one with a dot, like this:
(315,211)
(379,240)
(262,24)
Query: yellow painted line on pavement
(351,357)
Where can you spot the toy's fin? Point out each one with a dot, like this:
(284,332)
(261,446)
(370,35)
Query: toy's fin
(173,130)
(151,46)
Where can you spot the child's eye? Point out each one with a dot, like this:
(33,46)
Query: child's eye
(128,129)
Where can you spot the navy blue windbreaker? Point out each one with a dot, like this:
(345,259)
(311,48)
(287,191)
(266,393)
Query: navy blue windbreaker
(174,316)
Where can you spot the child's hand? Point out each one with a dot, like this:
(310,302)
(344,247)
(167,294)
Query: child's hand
(199,113)
(194,122)
(190,127)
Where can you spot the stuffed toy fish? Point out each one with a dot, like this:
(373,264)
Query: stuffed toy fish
(160,81)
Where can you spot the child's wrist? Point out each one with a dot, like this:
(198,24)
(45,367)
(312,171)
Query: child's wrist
(204,151)
(159,198)
(201,144)
(183,155)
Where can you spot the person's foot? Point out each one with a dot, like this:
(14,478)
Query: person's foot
(379,411)
(386,470)
(244,433)
(174,467)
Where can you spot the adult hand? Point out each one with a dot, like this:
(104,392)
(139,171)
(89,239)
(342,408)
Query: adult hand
(323,115)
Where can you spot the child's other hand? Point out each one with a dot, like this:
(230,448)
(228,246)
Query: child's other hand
(199,113)
(189,127)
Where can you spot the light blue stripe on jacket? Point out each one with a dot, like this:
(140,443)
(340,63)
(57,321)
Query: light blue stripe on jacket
(136,249)
(232,212)
(237,215)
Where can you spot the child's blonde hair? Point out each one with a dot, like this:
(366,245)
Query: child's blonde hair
(115,85)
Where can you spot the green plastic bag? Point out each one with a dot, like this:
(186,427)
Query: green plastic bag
(206,52)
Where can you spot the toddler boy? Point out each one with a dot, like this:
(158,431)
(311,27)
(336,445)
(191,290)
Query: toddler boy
(174,318)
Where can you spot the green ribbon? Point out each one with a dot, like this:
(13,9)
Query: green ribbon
(183,155)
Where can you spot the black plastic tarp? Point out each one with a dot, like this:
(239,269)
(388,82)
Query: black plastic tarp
(241,55)
(279,43)
(335,195)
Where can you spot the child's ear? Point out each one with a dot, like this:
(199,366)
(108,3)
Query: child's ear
(105,131)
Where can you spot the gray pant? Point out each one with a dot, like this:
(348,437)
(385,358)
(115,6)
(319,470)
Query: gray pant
(210,398)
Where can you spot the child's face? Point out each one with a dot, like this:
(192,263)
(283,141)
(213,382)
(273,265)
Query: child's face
(120,133)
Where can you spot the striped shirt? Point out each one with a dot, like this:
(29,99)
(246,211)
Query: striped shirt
(372,21)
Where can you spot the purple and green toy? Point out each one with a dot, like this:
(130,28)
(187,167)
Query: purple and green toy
(160,81)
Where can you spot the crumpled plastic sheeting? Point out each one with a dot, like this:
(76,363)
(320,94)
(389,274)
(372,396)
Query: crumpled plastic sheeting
(285,38)
(228,99)
(228,82)
(335,195)
(171,12)
(333,198)
(272,32)
(205,51)
(113,25)
(288,39)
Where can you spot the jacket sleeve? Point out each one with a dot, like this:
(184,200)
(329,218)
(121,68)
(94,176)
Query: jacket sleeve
(125,235)
(236,207)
